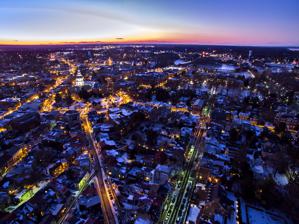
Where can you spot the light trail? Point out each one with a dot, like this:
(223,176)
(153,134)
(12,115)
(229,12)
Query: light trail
(100,177)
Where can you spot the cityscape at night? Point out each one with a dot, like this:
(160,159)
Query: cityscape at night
(149,112)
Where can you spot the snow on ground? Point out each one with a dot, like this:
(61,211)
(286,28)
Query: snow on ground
(281,179)
(141,220)
(181,62)
(261,217)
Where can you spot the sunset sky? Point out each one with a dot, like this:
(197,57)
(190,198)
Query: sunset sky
(223,22)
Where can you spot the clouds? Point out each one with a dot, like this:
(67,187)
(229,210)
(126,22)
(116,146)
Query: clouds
(218,22)
(64,23)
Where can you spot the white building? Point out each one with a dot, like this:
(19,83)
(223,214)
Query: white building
(79,79)
(160,174)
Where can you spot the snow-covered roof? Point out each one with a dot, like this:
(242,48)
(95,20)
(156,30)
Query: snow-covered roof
(141,220)
(280,179)
(193,214)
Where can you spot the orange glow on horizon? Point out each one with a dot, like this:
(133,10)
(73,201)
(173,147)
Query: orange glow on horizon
(171,38)
(95,41)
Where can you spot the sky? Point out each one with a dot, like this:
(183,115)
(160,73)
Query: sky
(220,22)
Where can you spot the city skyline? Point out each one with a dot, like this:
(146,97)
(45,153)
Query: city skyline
(254,23)
(149,112)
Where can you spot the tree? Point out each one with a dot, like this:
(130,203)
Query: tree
(280,127)
(233,135)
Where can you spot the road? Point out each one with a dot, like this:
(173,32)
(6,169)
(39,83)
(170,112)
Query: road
(176,205)
(108,209)
(58,81)
(24,151)
(101,187)
(70,203)
(33,97)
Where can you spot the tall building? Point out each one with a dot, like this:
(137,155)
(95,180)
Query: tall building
(109,61)
(249,54)
(79,79)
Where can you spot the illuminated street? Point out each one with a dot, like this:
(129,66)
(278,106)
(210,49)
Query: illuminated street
(174,204)
(100,177)
(144,134)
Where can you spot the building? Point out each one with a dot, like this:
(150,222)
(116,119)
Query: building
(249,54)
(109,62)
(193,216)
(79,79)
(160,174)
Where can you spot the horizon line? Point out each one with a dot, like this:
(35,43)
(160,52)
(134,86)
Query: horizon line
(64,43)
